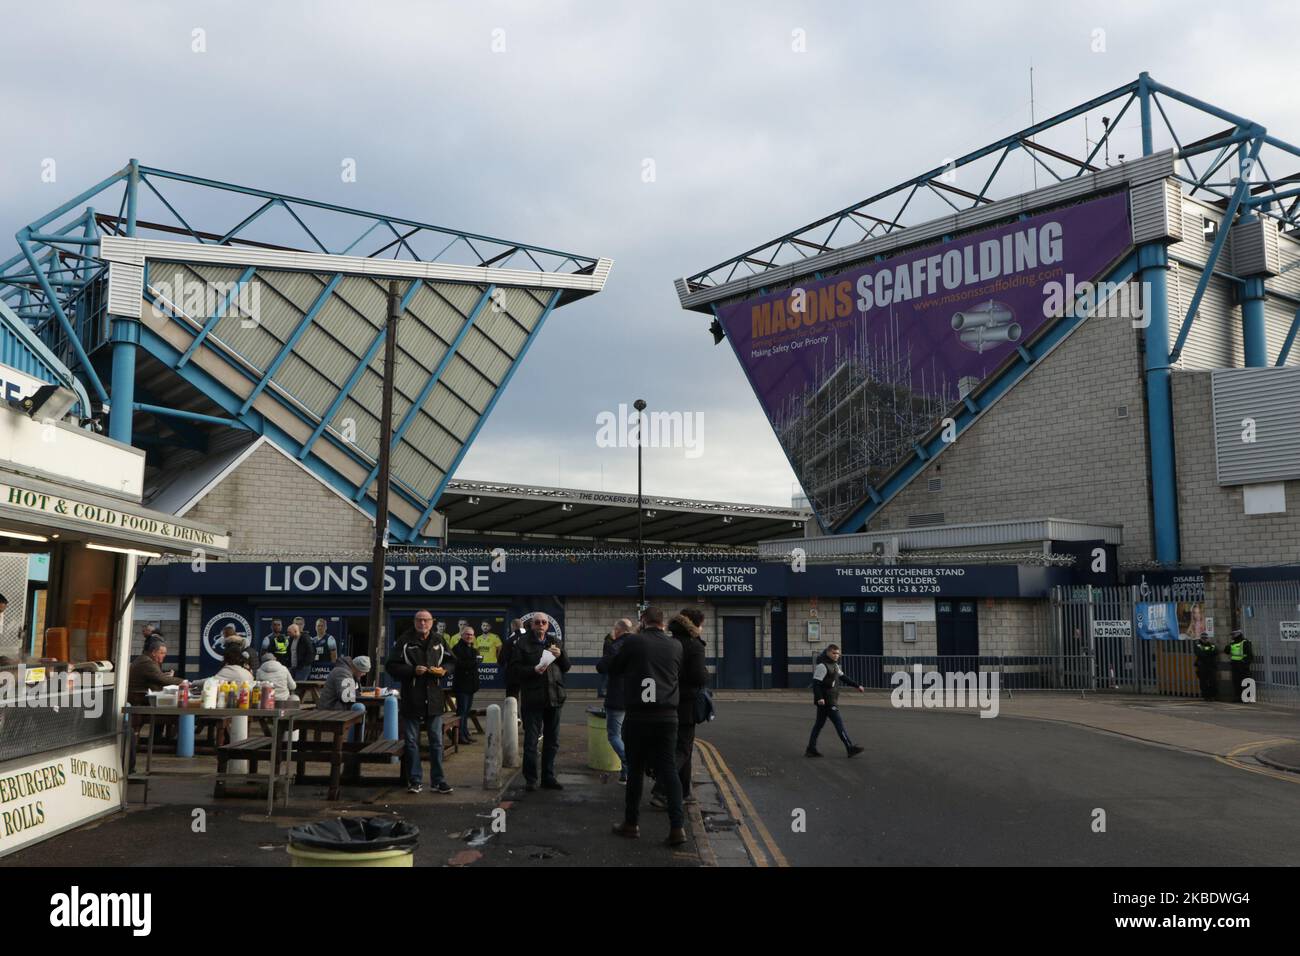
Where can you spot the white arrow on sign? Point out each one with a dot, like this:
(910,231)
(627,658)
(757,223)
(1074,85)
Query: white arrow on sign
(674,578)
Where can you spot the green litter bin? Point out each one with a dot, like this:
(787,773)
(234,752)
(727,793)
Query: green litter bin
(354,841)
(600,755)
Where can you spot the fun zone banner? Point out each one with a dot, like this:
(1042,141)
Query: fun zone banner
(854,368)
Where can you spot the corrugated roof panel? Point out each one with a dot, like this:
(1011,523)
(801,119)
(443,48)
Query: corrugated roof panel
(454,415)
(1278,316)
(355,332)
(415,470)
(250,340)
(417,344)
(468,384)
(323,353)
(463,298)
(523,305)
(367,296)
(366,426)
(409,374)
(300,288)
(486,356)
(1215,339)
(307,383)
(424,431)
(440,319)
(503,329)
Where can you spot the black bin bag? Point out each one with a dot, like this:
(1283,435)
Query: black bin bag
(356,835)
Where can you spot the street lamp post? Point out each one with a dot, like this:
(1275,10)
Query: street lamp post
(639,405)
(379,554)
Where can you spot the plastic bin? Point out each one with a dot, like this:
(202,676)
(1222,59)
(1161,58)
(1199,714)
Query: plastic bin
(600,755)
(354,841)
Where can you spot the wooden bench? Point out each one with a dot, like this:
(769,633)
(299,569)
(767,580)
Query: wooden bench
(253,749)
(377,751)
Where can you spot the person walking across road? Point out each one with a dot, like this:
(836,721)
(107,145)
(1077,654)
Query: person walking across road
(826,693)
(649,666)
(615,699)
(538,666)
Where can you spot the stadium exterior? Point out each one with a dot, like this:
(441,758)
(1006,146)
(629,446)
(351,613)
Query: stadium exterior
(987,502)
(942,373)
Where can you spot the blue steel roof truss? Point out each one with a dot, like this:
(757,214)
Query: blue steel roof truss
(1268,196)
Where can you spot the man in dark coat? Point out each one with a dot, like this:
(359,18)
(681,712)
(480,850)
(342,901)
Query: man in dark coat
(685,627)
(538,664)
(419,660)
(146,673)
(1207,665)
(649,666)
(465,682)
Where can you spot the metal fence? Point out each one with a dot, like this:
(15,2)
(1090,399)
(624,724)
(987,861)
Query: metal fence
(1267,608)
(1102,624)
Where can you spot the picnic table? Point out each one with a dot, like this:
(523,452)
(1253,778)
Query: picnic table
(309,690)
(286,712)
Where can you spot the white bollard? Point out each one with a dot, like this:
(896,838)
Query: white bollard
(510,733)
(492,752)
(238,732)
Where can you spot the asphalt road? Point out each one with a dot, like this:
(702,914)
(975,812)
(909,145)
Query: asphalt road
(948,789)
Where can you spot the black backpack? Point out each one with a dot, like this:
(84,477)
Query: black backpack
(704,710)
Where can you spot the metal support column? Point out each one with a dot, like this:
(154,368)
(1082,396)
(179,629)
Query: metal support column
(126,335)
(1153,266)
(1253,338)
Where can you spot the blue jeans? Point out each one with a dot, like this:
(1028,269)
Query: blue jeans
(464,704)
(832,714)
(614,731)
(411,727)
(358,732)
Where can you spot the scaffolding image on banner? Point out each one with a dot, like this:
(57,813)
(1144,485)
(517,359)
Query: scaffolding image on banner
(853,369)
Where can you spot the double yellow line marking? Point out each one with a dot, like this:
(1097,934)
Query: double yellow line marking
(735,798)
(1231,759)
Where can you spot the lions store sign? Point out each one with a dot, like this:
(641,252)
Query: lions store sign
(665,579)
(45,796)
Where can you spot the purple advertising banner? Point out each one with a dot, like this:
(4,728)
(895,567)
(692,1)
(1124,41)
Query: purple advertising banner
(854,368)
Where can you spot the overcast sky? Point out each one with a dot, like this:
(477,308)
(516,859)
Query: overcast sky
(546,142)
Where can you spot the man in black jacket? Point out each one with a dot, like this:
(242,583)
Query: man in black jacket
(649,665)
(685,627)
(538,664)
(615,699)
(826,695)
(419,660)
(465,682)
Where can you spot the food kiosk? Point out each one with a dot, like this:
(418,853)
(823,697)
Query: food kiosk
(72,498)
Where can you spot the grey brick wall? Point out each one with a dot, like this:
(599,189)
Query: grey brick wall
(1212,524)
(272,507)
(1052,446)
